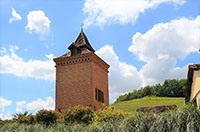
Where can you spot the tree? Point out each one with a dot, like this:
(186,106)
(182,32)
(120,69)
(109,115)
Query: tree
(170,88)
(147,91)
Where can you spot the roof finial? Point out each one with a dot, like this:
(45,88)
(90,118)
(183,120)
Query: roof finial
(82,27)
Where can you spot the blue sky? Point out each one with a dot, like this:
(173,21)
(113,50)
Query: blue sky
(144,41)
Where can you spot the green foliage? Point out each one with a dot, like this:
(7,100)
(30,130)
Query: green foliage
(183,119)
(79,114)
(19,115)
(109,114)
(186,118)
(24,118)
(170,88)
(6,121)
(47,116)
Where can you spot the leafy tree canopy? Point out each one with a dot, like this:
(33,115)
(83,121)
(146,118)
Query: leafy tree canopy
(170,88)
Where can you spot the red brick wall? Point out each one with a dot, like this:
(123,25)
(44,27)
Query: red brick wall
(100,81)
(76,80)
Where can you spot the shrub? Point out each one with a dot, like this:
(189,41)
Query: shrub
(24,118)
(109,114)
(79,114)
(60,119)
(183,119)
(31,119)
(165,122)
(188,118)
(47,116)
(2,122)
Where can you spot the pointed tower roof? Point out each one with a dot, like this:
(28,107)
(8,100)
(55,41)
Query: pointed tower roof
(82,42)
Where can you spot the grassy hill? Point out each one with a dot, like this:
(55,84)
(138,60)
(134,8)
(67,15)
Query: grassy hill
(133,105)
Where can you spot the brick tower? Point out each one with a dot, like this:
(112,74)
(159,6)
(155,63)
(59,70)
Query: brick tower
(81,77)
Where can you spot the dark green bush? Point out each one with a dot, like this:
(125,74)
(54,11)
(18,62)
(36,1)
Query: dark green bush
(47,116)
(79,114)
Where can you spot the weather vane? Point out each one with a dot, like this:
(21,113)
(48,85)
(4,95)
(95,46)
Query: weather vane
(82,27)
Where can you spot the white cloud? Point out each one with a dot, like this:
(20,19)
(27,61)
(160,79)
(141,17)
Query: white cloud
(20,105)
(3,103)
(101,12)
(178,73)
(48,104)
(6,116)
(11,63)
(15,16)
(161,46)
(123,77)
(3,50)
(39,23)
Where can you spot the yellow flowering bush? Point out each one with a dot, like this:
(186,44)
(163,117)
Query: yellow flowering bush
(60,119)
(79,114)
(109,114)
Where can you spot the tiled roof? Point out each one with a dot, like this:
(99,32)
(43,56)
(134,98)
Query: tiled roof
(65,55)
(68,54)
(81,42)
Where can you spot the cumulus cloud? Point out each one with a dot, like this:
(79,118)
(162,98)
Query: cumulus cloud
(11,63)
(123,77)
(3,103)
(161,46)
(101,12)
(48,104)
(39,23)
(15,16)
(6,116)
(20,105)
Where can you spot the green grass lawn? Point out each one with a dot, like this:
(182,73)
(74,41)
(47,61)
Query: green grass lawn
(133,105)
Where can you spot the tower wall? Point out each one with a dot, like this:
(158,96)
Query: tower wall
(100,81)
(76,80)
